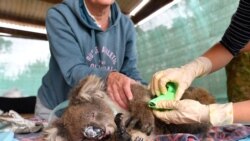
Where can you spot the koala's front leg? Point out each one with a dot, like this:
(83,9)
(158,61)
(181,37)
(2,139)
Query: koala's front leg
(122,134)
(142,117)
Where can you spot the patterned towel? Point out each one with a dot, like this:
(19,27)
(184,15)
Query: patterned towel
(223,133)
(228,133)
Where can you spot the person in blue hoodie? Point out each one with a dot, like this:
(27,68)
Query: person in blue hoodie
(88,37)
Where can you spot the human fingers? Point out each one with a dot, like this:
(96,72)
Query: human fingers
(127,90)
(180,90)
(117,96)
(163,84)
(151,85)
(167,104)
(110,91)
(167,116)
(124,99)
(155,83)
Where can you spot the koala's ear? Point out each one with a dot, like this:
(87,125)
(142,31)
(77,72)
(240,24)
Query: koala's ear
(78,96)
(86,89)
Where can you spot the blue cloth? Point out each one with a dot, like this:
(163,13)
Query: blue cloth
(245,139)
(79,49)
(7,136)
(58,110)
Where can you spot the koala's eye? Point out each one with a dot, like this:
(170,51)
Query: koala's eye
(92,132)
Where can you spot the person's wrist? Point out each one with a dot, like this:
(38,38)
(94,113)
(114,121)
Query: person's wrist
(221,114)
(204,114)
(201,66)
(110,74)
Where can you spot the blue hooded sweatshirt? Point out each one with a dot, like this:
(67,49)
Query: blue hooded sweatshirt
(80,48)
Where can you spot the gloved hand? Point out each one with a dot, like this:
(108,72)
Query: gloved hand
(182,76)
(191,111)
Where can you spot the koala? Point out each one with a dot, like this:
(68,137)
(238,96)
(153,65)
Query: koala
(93,116)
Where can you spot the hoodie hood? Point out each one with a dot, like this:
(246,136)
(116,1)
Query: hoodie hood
(79,9)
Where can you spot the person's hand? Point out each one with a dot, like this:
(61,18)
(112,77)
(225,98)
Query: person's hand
(183,111)
(118,87)
(191,111)
(182,76)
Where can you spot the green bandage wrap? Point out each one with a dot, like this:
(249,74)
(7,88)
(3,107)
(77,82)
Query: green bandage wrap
(171,90)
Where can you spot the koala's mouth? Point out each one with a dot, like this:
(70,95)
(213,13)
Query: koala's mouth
(94,133)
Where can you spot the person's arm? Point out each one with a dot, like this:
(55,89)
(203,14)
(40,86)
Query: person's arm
(129,66)
(233,41)
(66,51)
(219,56)
(215,114)
(241,112)
(219,52)
(182,76)
(246,48)
(118,83)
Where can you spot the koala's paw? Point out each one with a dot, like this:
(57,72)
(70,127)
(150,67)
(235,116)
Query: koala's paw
(142,120)
(121,134)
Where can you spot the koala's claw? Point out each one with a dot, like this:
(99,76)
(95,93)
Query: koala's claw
(131,122)
(147,129)
(121,132)
(138,139)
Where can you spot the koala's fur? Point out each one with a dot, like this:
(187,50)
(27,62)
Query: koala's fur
(90,106)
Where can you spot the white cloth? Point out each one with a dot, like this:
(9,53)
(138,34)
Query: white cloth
(12,121)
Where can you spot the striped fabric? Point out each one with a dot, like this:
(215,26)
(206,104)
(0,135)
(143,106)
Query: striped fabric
(237,34)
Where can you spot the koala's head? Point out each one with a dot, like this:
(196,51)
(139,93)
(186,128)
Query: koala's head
(92,120)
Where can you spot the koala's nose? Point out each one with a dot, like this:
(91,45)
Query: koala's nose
(92,132)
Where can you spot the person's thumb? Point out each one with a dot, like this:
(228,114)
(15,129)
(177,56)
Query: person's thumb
(180,91)
(167,104)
